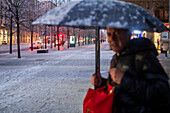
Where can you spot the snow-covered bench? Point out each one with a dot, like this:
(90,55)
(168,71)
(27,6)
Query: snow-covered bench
(42,51)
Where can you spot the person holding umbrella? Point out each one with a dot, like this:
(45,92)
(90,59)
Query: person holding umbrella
(141,84)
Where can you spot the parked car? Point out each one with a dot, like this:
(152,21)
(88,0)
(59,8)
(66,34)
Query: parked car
(36,45)
(40,41)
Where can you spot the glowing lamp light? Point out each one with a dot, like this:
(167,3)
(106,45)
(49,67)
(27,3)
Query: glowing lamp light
(136,31)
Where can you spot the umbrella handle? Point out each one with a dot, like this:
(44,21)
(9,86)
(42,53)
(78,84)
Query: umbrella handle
(97,54)
(98,77)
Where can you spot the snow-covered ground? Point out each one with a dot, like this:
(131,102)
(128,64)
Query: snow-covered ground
(54,82)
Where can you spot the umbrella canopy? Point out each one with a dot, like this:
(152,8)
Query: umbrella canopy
(102,13)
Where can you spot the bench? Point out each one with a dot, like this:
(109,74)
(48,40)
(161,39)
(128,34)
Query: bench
(42,51)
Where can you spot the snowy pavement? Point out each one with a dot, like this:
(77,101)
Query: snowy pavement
(54,82)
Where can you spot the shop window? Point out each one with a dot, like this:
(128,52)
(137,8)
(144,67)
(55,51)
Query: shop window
(162,14)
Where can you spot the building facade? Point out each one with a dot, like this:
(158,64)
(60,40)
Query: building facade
(25,34)
(159,8)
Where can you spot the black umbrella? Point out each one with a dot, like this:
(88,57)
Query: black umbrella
(101,14)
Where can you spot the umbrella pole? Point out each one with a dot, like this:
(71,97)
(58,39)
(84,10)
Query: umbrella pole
(58,37)
(97,53)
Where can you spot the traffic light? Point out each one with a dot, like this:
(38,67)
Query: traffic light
(60,36)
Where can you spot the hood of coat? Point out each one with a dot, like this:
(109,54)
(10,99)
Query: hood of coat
(139,45)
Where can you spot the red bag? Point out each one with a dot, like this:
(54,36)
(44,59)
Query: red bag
(99,100)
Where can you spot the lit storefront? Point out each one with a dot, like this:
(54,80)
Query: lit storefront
(3,36)
(158,36)
(155,37)
(156,41)
(138,34)
(25,37)
(81,40)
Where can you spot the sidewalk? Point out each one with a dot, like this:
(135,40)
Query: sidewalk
(165,62)
(14,47)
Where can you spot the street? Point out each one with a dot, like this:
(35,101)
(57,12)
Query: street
(47,79)
(23,47)
(54,82)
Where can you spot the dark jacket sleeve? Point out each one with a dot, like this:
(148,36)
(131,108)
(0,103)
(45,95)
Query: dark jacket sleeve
(150,86)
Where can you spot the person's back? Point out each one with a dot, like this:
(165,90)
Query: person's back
(165,46)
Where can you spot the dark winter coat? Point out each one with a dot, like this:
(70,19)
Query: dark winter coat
(144,87)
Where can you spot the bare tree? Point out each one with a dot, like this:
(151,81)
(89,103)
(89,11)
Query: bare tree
(31,13)
(15,8)
(58,3)
(7,20)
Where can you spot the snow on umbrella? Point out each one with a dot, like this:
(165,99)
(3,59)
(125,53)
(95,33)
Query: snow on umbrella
(101,14)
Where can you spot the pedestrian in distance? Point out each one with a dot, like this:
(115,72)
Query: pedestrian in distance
(141,84)
(165,48)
